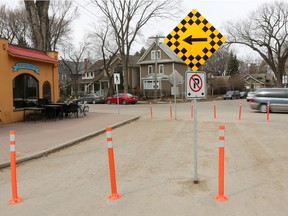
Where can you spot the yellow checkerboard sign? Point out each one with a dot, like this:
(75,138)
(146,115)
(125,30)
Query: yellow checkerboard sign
(194,40)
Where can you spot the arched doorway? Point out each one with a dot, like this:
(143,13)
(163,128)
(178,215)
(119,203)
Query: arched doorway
(25,91)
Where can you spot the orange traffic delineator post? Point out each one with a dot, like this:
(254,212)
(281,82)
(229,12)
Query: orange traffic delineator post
(192,110)
(240,110)
(214,109)
(114,195)
(15,199)
(170,110)
(268,112)
(151,111)
(220,196)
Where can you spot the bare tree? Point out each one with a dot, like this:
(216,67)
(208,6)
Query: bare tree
(128,17)
(104,41)
(50,22)
(14,26)
(73,62)
(61,16)
(217,63)
(266,32)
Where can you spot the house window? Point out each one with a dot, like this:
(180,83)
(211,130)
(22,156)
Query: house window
(153,52)
(64,76)
(150,69)
(161,69)
(149,84)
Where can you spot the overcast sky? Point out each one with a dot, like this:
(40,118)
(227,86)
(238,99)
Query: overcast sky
(217,12)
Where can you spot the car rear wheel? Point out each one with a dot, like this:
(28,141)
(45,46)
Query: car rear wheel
(124,102)
(263,108)
(108,102)
(93,101)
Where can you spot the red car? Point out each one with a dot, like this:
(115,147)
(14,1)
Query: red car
(124,98)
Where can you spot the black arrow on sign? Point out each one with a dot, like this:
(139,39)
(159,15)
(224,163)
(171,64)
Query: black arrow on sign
(190,39)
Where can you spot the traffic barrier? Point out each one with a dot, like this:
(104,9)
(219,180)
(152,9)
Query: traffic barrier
(151,111)
(192,110)
(240,111)
(15,199)
(114,195)
(268,112)
(220,196)
(170,111)
(215,109)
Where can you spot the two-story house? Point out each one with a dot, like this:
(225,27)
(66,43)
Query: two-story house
(95,78)
(156,68)
(255,81)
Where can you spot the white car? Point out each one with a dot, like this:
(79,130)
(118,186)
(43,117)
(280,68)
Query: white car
(250,95)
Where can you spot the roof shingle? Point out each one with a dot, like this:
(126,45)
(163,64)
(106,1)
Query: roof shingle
(29,53)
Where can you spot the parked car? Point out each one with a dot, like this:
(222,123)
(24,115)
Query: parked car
(243,95)
(92,98)
(232,95)
(277,98)
(124,98)
(250,95)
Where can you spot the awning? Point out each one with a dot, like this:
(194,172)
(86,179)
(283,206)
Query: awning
(27,53)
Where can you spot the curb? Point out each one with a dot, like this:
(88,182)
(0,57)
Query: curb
(67,144)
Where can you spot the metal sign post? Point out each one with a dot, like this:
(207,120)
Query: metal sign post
(117,82)
(117,99)
(195,89)
(175,96)
(194,40)
(175,79)
(195,143)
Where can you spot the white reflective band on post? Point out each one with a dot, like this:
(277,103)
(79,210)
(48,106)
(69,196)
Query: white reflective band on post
(108,134)
(109,144)
(12,148)
(12,137)
(221,143)
(221,133)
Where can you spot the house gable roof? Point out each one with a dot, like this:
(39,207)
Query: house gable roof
(70,65)
(99,64)
(259,78)
(172,56)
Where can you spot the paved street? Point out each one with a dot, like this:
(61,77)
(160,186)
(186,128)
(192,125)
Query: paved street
(154,167)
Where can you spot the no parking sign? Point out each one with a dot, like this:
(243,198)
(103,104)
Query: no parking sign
(195,84)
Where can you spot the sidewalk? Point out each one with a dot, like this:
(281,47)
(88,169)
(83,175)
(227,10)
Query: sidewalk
(35,139)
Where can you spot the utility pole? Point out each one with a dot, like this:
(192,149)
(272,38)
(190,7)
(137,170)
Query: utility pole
(156,63)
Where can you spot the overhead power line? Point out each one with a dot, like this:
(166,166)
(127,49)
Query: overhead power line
(85,8)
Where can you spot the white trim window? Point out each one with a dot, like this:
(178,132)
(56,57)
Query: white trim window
(153,54)
(150,69)
(161,69)
(64,76)
(149,84)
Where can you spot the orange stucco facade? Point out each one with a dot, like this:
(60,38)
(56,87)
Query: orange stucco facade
(14,61)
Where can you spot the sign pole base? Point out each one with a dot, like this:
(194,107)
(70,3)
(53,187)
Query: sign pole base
(221,197)
(15,201)
(114,196)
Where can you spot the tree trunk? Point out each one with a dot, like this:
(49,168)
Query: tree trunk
(39,22)
(111,86)
(125,72)
(278,79)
